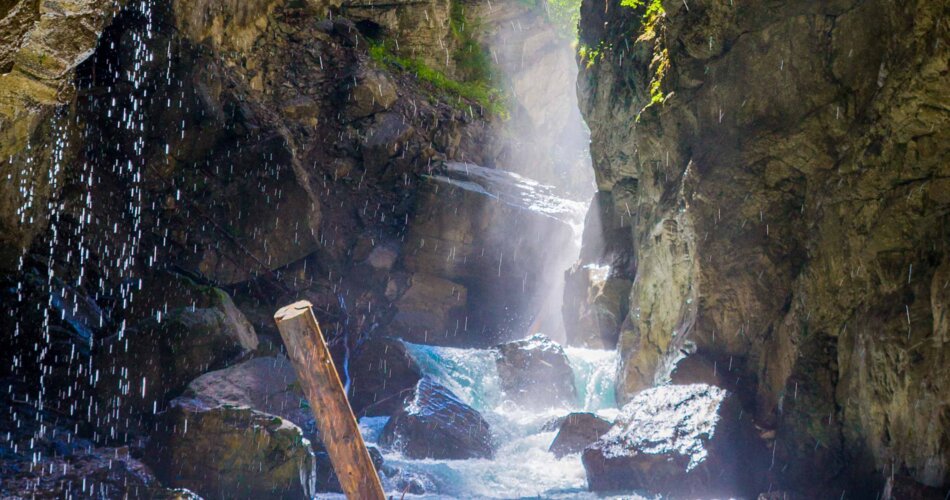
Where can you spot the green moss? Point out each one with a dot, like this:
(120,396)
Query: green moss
(472,61)
(481,92)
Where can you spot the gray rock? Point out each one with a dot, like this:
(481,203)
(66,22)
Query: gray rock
(684,440)
(434,423)
(576,432)
(535,372)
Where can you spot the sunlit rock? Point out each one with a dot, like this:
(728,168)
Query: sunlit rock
(227,452)
(689,440)
(595,305)
(576,432)
(380,371)
(535,372)
(496,233)
(434,423)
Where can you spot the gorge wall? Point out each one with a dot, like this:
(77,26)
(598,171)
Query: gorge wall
(773,180)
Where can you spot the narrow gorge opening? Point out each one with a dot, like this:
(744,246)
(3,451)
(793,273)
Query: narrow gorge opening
(732,284)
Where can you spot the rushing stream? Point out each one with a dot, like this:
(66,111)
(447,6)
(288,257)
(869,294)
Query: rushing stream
(522,467)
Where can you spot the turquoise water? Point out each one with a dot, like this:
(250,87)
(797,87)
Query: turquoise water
(522,467)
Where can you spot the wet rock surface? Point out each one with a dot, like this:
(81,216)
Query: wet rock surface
(227,452)
(576,432)
(678,441)
(434,423)
(536,373)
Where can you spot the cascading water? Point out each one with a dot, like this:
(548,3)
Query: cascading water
(522,466)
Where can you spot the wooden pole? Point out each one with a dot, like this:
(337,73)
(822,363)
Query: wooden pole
(321,384)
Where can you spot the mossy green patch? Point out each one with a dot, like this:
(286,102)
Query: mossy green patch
(487,96)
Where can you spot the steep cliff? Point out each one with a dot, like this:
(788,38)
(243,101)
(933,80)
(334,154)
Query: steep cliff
(773,176)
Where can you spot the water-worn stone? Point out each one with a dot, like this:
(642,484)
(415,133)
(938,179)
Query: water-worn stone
(380,371)
(228,452)
(434,423)
(576,432)
(679,441)
(535,372)
(431,310)
(493,232)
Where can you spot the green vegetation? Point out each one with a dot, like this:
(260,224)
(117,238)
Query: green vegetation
(653,9)
(481,92)
(472,62)
(590,55)
(565,15)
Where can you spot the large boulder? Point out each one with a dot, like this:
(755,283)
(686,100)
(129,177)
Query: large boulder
(380,372)
(677,441)
(535,372)
(372,93)
(576,432)
(434,423)
(267,384)
(230,452)
(183,329)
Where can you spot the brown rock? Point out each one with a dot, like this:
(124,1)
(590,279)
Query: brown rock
(380,371)
(576,432)
(227,452)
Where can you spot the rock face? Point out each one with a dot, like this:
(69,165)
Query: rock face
(433,423)
(41,43)
(535,372)
(227,452)
(576,432)
(679,441)
(380,372)
(778,170)
(594,306)
(489,233)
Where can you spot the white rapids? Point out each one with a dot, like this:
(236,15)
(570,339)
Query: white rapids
(522,467)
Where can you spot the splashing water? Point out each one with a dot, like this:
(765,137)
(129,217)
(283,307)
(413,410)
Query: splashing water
(522,466)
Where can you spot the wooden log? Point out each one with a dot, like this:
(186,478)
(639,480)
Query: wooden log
(321,384)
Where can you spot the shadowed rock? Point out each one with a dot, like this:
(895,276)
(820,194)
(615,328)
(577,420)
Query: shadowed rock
(264,384)
(535,372)
(380,371)
(230,452)
(676,441)
(435,424)
(577,431)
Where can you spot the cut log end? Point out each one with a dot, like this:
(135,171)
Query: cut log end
(293,310)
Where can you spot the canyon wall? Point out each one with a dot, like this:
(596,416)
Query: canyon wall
(773,178)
